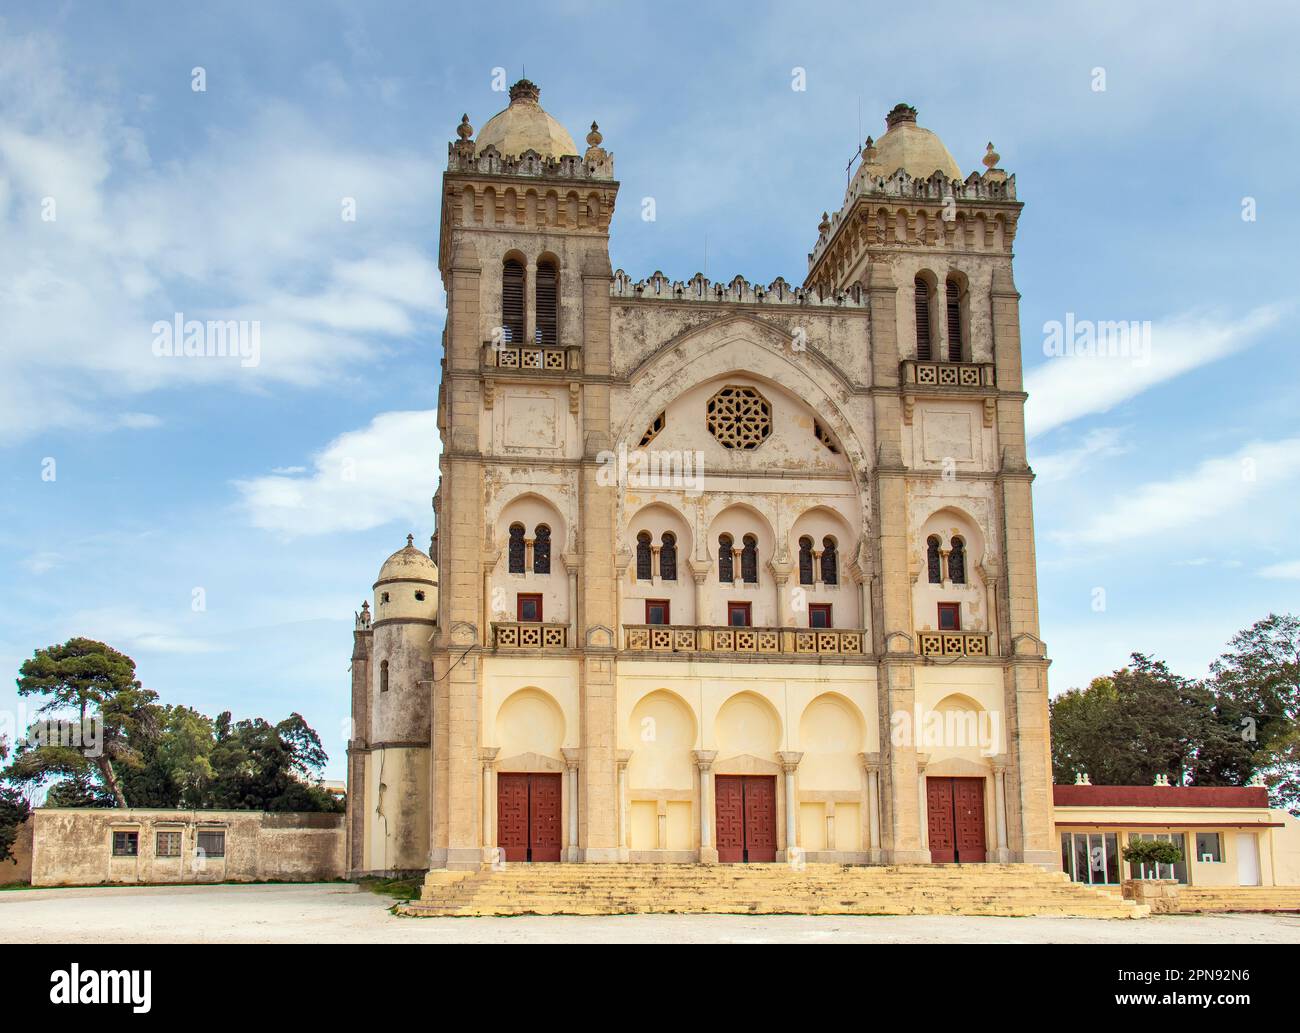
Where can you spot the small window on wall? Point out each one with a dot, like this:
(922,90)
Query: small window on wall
(656,611)
(957,562)
(830,562)
(512,301)
(126,844)
(548,304)
(953,294)
(168,844)
(749,560)
(212,843)
(922,319)
(1209,847)
(950,616)
(819,615)
(529,608)
(738,615)
(383,676)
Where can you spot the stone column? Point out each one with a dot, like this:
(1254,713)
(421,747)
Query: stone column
(991,594)
(704,762)
(871,769)
(621,759)
(571,568)
(922,803)
(999,765)
(789,764)
(781,578)
(488,755)
(700,574)
(571,773)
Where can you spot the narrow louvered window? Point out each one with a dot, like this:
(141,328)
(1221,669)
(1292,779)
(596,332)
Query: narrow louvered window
(548,305)
(542,550)
(830,562)
(922,319)
(955,349)
(805,561)
(668,557)
(517,549)
(644,571)
(957,562)
(749,560)
(726,570)
(512,301)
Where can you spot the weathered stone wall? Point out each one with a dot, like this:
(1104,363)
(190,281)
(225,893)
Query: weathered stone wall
(74,847)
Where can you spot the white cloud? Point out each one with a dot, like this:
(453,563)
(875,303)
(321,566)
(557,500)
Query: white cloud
(247,225)
(1260,473)
(1289,571)
(133,631)
(362,479)
(1100,443)
(1069,386)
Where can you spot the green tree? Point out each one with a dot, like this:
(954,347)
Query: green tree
(1140,722)
(260,766)
(13,811)
(113,714)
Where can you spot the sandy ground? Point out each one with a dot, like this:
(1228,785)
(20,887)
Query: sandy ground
(339,913)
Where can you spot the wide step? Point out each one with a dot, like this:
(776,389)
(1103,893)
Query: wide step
(608,889)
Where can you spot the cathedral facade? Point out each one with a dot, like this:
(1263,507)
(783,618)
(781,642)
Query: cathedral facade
(723,571)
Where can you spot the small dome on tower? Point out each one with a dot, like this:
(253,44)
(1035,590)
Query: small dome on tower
(409,564)
(907,146)
(525,126)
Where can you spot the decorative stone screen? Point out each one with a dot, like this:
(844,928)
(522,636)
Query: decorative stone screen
(739,417)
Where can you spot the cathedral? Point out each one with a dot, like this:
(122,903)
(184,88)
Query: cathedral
(723,571)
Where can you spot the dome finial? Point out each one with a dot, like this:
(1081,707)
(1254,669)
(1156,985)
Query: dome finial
(464,130)
(525,91)
(410,541)
(594,138)
(900,113)
(991,157)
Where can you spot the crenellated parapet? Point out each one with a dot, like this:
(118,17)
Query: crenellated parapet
(737,291)
(596,164)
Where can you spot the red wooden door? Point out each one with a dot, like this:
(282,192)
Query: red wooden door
(939,818)
(760,818)
(512,816)
(528,817)
(968,806)
(746,812)
(955,819)
(544,818)
(730,797)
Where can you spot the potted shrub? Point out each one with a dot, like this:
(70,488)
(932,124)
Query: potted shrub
(1160,894)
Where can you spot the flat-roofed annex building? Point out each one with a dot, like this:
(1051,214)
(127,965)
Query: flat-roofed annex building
(723,571)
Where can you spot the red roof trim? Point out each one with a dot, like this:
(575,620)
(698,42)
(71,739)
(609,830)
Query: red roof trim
(1160,796)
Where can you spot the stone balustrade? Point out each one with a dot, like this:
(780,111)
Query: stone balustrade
(529,635)
(953,643)
(934,373)
(662,638)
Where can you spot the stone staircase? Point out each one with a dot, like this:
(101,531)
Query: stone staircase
(1239,898)
(766,889)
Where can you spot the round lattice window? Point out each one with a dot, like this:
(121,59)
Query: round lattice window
(739,417)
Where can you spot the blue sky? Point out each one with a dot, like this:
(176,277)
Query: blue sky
(277,490)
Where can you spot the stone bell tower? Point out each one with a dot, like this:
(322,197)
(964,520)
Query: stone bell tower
(523,410)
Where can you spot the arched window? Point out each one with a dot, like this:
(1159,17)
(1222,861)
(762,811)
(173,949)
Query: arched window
(643,569)
(726,572)
(830,562)
(933,565)
(953,293)
(922,319)
(805,561)
(548,304)
(383,676)
(542,550)
(515,552)
(957,562)
(668,557)
(749,560)
(512,300)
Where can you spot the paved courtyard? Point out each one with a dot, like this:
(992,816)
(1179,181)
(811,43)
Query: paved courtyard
(340,913)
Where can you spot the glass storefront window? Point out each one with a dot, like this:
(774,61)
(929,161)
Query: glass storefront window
(1091,857)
